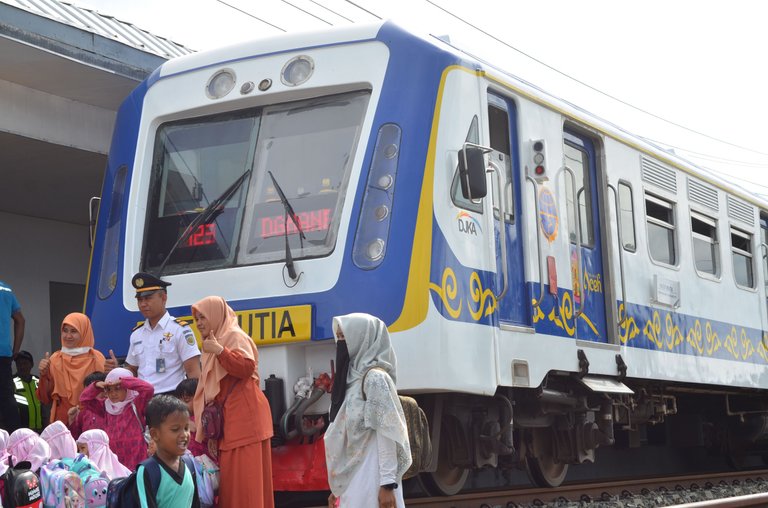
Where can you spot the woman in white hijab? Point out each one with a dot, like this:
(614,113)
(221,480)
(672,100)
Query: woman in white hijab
(366,444)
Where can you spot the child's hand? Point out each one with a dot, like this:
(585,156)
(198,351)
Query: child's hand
(72,414)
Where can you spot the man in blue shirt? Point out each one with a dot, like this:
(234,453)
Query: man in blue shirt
(10,343)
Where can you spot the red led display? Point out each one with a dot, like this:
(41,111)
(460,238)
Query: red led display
(314,220)
(205,234)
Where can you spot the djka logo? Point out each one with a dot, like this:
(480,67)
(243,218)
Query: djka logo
(468,224)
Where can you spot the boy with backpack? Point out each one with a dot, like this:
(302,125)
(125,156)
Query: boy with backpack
(167,479)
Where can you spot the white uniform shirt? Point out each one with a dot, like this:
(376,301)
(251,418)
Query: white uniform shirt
(160,353)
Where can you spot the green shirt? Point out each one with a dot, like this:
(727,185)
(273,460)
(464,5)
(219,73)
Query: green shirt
(176,489)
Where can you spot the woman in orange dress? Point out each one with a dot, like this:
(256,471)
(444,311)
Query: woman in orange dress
(230,374)
(62,374)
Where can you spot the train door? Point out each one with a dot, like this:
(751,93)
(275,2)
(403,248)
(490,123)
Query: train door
(586,239)
(513,305)
(764,263)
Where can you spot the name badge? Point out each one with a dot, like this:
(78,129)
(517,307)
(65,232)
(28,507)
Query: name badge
(160,365)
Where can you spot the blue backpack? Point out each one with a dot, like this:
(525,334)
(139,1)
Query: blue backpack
(124,492)
(61,487)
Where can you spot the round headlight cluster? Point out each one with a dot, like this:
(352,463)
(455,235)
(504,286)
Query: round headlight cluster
(220,84)
(297,70)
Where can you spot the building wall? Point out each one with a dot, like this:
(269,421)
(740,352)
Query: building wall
(34,253)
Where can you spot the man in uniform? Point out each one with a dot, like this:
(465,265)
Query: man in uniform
(162,349)
(30,409)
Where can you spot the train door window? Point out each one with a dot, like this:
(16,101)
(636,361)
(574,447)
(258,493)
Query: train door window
(498,122)
(627,217)
(576,159)
(705,245)
(660,219)
(473,136)
(741,248)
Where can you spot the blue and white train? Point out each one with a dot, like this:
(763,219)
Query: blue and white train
(551,282)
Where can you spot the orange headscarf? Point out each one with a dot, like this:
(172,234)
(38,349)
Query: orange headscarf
(223,323)
(68,372)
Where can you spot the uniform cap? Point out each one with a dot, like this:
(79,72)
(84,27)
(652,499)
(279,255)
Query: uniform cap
(146,284)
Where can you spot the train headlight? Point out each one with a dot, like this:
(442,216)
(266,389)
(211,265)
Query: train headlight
(372,234)
(375,249)
(297,70)
(220,84)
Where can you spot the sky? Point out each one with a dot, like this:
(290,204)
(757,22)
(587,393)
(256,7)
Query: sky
(691,75)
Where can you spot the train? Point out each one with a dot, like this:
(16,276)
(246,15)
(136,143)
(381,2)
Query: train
(552,283)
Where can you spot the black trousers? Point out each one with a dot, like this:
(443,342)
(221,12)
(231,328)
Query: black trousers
(9,412)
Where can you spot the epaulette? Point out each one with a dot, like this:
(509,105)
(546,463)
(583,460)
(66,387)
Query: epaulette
(182,322)
(138,325)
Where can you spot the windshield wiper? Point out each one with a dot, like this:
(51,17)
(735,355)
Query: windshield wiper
(205,216)
(288,213)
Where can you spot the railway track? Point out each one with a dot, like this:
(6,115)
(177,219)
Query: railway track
(602,491)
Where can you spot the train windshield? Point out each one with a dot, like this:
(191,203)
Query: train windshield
(308,147)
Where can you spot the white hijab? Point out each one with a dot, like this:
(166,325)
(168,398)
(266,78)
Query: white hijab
(60,440)
(102,457)
(349,435)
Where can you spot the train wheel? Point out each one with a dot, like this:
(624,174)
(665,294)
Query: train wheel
(446,481)
(543,470)
(449,478)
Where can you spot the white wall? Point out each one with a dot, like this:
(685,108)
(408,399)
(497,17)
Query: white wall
(34,252)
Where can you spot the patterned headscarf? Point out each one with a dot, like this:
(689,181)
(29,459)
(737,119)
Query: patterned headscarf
(357,422)
(60,440)
(26,445)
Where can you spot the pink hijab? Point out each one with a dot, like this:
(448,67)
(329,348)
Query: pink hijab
(26,445)
(114,377)
(3,451)
(100,454)
(60,440)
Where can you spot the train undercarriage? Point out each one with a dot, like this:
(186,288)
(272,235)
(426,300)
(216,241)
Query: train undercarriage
(547,429)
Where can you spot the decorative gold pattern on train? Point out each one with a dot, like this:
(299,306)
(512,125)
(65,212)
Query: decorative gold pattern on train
(480,301)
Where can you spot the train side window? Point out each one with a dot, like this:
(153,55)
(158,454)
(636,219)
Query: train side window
(741,248)
(627,217)
(473,136)
(705,244)
(660,218)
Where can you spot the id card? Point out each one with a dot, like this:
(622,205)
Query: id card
(160,365)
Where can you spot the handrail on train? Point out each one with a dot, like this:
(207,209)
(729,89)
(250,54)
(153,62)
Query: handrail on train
(621,253)
(577,221)
(502,227)
(537,301)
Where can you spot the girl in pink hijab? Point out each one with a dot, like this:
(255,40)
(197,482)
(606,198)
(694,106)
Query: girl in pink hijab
(123,412)
(26,445)
(3,451)
(60,440)
(95,444)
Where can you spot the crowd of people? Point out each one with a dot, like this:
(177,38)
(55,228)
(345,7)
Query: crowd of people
(144,416)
